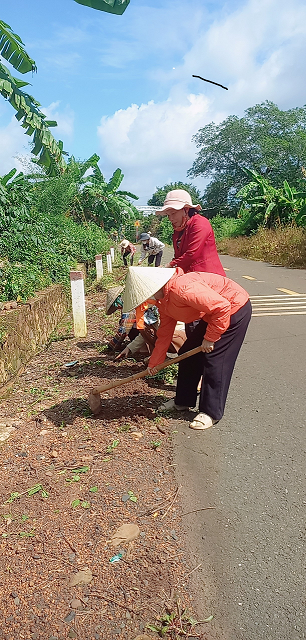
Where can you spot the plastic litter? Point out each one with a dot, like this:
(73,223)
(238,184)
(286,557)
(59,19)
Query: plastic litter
(71,364)
(116,558)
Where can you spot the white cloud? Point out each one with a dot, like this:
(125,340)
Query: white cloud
(258,50)
(14,142)
(64,119)
(152,143)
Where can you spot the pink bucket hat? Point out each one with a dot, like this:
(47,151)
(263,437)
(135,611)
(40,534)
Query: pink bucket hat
(177,199)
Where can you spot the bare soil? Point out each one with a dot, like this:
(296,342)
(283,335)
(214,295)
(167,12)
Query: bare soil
(69,479)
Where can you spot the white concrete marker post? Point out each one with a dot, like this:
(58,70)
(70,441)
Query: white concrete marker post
(78,303)
(99,267)
(109,263)
(112,252)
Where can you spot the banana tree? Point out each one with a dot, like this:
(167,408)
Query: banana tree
(110,6)
(263,204)
(104,203)
(49,151)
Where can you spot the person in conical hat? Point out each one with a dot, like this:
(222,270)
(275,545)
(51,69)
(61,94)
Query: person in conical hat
(193,237)
(223,311)
(142,283)
(113,300)
(127,324)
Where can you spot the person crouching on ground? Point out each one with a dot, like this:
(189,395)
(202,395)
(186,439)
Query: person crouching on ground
(127,249)
(224,310)
(152,248)
(127,323)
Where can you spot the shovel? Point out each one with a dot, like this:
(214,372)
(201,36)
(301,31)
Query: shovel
(94,399)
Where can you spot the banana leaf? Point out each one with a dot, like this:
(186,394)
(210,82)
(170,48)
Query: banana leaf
(110,6)
(12,49)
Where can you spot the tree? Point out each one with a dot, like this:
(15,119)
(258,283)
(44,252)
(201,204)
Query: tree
(33,120)
(268,206)
(158,197)
(103,202)
(266,140)
(110,6)
(12,49)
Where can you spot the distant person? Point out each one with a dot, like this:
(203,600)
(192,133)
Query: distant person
(127,249)
(193,238)
(152,248)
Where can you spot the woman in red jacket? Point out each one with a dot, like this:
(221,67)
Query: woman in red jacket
(224,310)
(193,238)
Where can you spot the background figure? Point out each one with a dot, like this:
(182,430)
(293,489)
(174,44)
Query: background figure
(193,238)
(127,249)
(152,248)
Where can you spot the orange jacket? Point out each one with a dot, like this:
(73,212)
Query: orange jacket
(195,296)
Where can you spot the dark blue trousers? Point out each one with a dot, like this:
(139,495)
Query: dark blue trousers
(216,367)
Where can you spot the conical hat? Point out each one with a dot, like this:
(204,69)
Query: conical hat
(142,283)
(111,295)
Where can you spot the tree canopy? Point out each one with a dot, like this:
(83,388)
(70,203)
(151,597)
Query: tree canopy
(266,139)
(158,197)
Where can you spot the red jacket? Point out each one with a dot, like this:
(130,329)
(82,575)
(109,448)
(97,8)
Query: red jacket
(194,296)
(195,249)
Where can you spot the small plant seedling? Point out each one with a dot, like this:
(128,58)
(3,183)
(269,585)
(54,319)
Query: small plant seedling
(124,428)
(84,503)
(24,517)
(112,446)
(93,489)
(26,534)
(133,498)
(14,495)
(155,444)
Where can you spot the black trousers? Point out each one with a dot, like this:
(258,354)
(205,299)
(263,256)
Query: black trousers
(216,367)
(157,257)
(124,256)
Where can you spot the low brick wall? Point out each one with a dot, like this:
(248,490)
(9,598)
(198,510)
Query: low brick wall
(25,329)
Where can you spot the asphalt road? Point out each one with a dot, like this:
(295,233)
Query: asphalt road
(251,469)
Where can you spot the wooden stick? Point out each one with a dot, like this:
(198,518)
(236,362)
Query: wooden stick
(142,374)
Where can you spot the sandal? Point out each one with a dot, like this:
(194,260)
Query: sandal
(202,421)
(170,404)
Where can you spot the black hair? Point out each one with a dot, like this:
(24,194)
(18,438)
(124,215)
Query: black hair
(192,211)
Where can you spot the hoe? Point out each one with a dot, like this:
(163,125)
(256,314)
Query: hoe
(94,399)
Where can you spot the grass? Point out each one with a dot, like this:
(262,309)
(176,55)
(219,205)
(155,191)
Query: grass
(284,246)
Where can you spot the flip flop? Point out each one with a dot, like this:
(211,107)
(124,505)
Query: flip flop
(202,421)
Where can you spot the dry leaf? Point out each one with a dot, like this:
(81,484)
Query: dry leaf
(136,435)
(81,577)
(126,533)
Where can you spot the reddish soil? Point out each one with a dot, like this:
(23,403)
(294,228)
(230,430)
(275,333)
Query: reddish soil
(44,540)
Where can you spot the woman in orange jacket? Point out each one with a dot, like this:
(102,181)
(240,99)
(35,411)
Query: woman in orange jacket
(224,310)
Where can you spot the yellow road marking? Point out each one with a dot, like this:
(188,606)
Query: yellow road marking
(249,277)
(290,293)
(226,269)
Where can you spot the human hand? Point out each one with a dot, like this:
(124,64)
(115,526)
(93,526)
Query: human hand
(123,354)
(207,346)
(168,266)
(139,262)
(152,372)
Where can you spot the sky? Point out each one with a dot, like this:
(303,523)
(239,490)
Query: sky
(122,86)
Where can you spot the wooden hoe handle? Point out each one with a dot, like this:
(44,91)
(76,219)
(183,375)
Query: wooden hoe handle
(142,374)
